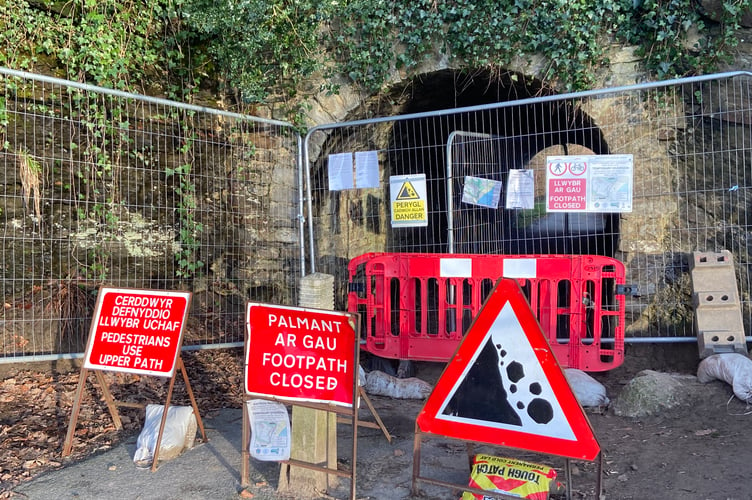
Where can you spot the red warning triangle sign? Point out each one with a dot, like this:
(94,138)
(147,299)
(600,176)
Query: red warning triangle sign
(504,386)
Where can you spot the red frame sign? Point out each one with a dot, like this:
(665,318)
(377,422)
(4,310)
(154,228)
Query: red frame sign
(537,410)
(137,331)
(300,354)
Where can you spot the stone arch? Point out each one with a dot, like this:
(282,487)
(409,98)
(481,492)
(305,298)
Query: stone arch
(550,127)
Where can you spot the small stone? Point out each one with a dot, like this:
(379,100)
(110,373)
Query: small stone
(246,494)
(622,478)
(398,452)
(112,467)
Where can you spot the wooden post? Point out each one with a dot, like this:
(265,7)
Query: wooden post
(314,432)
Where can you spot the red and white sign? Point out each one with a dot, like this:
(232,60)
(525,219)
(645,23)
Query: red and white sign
(566,194)
(137,331)
(300,354)
(504,386)
(566,188)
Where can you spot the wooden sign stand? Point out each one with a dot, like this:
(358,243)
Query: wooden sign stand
(113,404)
(138,332)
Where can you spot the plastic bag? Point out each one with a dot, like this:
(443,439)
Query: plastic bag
(733,368)
(507,475)
(179,433)
(587,390)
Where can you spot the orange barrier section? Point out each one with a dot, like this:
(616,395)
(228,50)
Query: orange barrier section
(417,306)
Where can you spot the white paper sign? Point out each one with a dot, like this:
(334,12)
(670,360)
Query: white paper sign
(366,169)
(270,430)
(340,171)
(521,189)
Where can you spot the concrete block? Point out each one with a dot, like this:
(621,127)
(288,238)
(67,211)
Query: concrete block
(718,342)
(720,326)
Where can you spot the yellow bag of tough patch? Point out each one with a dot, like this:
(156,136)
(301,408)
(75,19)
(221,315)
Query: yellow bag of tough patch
(509,476)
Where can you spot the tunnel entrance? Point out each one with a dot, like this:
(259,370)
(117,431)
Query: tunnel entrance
(406,132)
(517,137)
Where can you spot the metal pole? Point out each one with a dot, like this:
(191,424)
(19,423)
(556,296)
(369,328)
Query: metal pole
(449,190)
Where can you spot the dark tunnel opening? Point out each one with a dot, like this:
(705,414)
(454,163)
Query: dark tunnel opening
(522,134)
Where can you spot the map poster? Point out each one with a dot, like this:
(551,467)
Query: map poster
(589,183)
(482,192)
(270,430)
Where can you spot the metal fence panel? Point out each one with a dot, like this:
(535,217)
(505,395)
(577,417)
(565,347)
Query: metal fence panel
(103,187)
(692,149)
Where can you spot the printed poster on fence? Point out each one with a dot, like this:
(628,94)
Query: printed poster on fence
(521,189)
(595,183)
(481,192)
(407,194)
(340,172)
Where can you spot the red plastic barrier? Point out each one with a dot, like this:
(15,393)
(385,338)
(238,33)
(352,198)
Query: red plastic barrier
(418,306)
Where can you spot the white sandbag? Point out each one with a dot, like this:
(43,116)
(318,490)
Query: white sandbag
(383,384)
(179,433)
(733,368)
(587,390)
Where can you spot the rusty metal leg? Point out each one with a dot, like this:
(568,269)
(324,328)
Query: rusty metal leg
(416,460)
(109,400)
(165,409)
(245,443)
(599,479)
(75,412)
(192,398)
(375,414)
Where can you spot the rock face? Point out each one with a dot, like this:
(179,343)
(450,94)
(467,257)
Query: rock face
(106,190)
(714,10)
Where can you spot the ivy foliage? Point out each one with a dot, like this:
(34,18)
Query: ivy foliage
(265,48)
(662,30)
(117,43)
(259,45)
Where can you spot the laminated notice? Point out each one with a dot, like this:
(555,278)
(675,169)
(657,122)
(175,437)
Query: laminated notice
(270,430)
(510,476)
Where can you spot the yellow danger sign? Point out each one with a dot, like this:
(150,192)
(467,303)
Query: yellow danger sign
(409,211)
(407,192)
(408,197)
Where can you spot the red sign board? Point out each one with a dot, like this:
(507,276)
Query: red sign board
(504,386)
(137,331)
(300,354)
(567,194)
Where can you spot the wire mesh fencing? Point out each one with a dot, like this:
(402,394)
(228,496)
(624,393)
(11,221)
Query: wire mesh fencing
(103,187)
(690,142)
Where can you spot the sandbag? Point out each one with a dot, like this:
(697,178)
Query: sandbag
(587,390)
(515,478)
(179,433)
(733,368)
(383,384)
